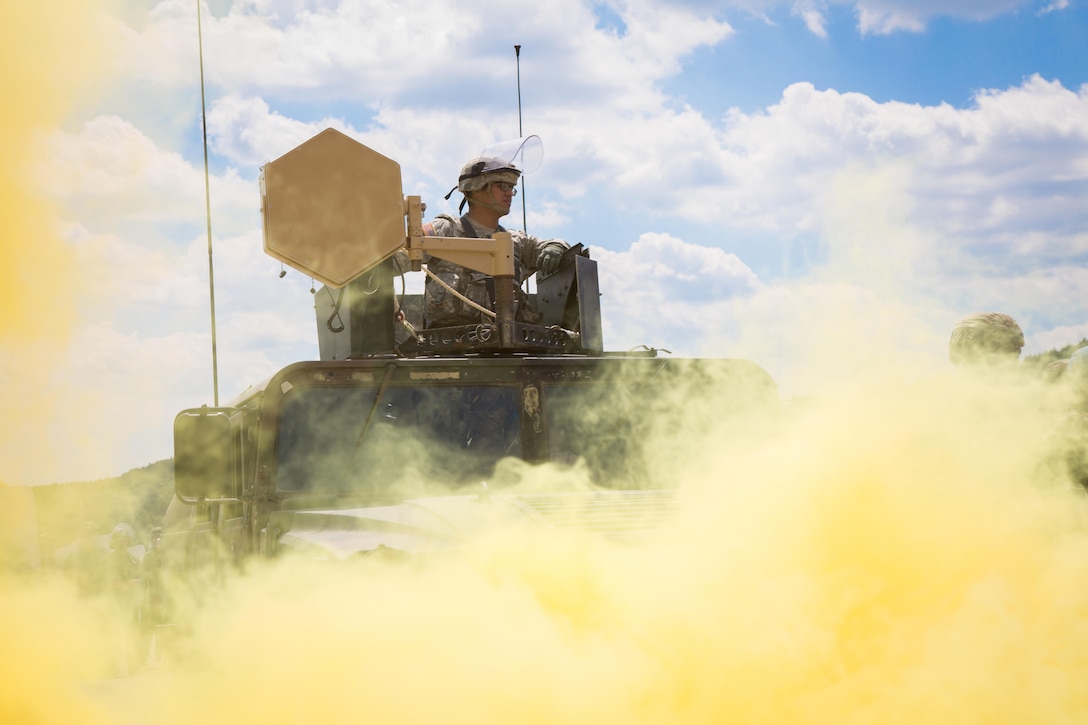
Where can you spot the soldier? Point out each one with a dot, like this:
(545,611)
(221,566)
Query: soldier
(986,340)
(153,610)
(121,582)
(85,559)
(489,185)
(120,567)
(1054,370)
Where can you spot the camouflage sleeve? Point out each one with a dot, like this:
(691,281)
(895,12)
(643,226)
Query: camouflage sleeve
(528,249)
(439,227)
(401,265)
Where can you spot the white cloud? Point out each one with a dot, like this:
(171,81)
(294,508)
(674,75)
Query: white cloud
(109,160)
(814,20)
(110,173)
(1002,178)
(892,184)
(670,268)
(887,16)
(250,134)
(111,401)
(692,300)
(1021,152)
(661,290)
(920,214)
(119,273)
(664,33)
(761,170)
(1056,338)
(391,50)
(879,17)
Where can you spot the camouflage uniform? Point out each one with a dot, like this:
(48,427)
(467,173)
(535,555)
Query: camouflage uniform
(120,570)
(442,309)
(85,560)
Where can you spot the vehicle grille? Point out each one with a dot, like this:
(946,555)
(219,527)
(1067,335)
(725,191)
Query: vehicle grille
(618,514)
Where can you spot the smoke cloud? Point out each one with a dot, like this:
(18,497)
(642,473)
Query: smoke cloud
(48,71)
(907,550)
(51,56)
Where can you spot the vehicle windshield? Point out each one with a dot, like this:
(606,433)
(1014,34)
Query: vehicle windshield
(417,435)
(604,426)
(424,439)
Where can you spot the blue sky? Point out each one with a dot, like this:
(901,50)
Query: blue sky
(805,183)
(950,61)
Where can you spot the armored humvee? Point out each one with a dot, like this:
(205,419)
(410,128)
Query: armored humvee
(402,439)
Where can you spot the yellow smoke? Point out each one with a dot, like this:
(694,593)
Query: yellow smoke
(49,58)
(51,55)
(907,553)
(55,647)
(52,645)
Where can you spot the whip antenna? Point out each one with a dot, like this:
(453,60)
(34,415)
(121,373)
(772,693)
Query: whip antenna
(207,204)
(517,58)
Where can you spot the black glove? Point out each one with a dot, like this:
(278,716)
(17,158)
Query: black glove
(549,258)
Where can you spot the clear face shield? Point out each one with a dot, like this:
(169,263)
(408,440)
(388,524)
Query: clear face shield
(524,154)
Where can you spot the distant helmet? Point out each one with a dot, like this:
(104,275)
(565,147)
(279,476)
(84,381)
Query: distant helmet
(985,337)
(122,536)
(481,171)
(1054,370)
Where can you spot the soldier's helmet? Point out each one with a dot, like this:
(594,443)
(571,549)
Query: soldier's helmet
(985,337)
(121,537)
(483,170)
(501,161)
(1055,370)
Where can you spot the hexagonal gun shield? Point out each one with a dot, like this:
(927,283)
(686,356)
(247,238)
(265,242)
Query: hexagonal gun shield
(332,208)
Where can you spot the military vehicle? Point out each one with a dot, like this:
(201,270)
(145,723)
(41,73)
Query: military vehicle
(403,439)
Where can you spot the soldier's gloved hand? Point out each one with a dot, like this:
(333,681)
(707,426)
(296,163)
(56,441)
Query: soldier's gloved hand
(550,256)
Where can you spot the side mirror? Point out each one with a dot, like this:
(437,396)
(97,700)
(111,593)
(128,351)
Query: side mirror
(204,462)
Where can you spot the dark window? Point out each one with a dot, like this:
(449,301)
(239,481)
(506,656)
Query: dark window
(439,434)
(605,425)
